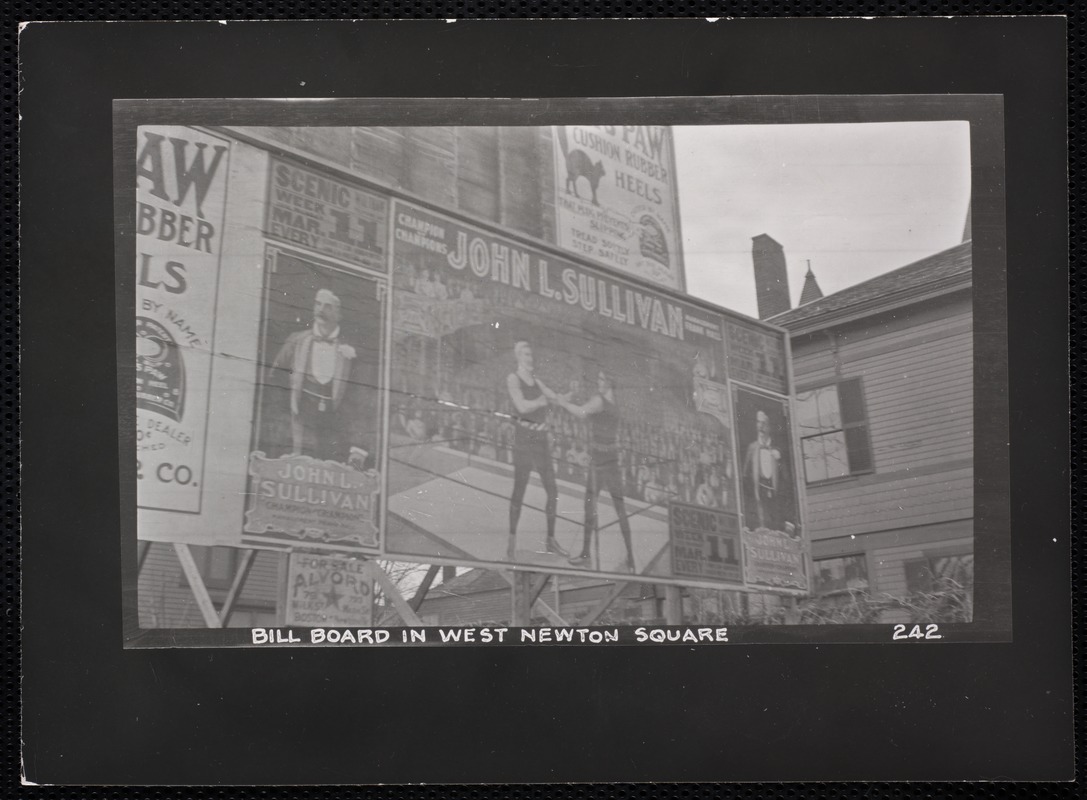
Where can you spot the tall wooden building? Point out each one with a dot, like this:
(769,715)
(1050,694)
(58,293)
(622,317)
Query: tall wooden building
(884,405)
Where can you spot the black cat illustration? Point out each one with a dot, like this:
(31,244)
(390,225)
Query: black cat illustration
(579,164)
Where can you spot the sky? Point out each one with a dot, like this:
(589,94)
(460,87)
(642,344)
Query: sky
(856,199)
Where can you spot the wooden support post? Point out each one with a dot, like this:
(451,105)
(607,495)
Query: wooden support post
(196,583)
(282,571)
(615,592)
(424,587)
(673,605)
(142,549)
(236,586)
(536,587)
(407,613)
(549,613)
(522,606)
(604,604)
(792,611)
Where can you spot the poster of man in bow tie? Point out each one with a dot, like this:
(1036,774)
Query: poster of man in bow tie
(319,363)
(767,475)
(324,329)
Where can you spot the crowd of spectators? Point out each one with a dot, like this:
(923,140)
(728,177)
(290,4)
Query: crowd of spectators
(664,453)
(432,284)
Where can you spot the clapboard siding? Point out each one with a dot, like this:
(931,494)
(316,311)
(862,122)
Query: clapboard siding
(924,409)
(166,601)
(469,609)
(811,370)
(932,362)
(887,571)
(888,564)
(943,318)
(866,340)
(848,508)
(916,368)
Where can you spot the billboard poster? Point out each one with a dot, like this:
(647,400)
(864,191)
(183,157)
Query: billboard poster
(181,185)
(615,198)
(328,591)
(545,414)
(314,473)
(705,543)
(757,357)
(311,209)
(774,545)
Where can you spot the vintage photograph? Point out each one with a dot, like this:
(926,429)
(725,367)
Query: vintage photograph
(566,375)
(652,426)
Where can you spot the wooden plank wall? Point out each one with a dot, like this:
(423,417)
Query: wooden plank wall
(165,600)
(499,174)
(887,565)
(917,371)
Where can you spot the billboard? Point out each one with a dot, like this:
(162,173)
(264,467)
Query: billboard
(181,186)
(546,414)
(616,198)
(441,391)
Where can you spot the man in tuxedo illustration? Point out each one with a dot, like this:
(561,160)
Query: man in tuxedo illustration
(319,363)
(766,481)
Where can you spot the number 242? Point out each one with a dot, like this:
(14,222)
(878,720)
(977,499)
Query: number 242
(915,632)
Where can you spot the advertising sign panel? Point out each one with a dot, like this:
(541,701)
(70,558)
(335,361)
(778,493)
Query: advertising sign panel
(546,413)
(314,469)
(772,537)
(325,214)
(329,591)
(705,543)
(615,198)
(181,186)
(756,356)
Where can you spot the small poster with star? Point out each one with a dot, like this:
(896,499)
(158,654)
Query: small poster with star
(329,591)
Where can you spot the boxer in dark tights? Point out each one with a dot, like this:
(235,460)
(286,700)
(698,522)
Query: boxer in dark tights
(531,450)
(603,417)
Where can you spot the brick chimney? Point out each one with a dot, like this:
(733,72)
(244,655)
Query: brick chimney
(771,276)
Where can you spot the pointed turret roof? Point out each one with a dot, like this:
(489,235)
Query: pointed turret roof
(811,290)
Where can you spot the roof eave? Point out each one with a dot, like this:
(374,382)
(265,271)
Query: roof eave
(858,311)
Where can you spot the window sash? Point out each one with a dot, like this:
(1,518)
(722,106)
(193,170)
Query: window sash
(841,572)
(842,421)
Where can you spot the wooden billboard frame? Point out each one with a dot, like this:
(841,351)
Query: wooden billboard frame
(522,591)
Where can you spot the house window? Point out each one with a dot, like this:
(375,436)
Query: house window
(837,574)
(833,431)
(935,573)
